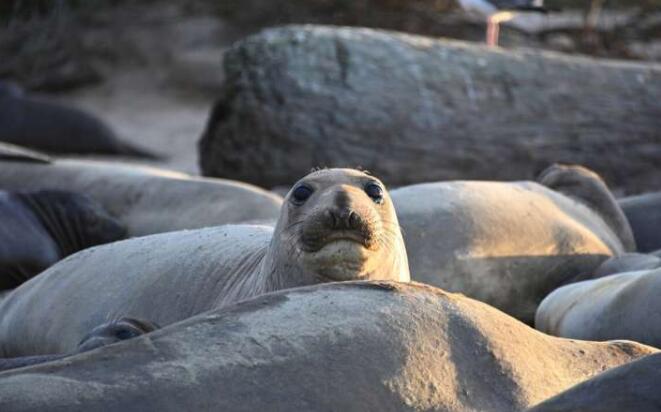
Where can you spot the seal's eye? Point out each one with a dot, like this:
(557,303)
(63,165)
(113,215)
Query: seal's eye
(301,194)
(124,334)
(374,191)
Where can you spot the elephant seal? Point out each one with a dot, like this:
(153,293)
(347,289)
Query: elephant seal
(628,262)
(644,215)
(39,228)
(351,346)
(335,225)
(630,387)
(144,199)
(10,151)
(510,243)
(621,306)
(103,335)
(43,124)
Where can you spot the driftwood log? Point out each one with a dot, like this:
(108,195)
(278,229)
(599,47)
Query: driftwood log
(414,109)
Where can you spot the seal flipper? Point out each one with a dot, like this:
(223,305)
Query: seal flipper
(74,221)
(587,187)
(13,152)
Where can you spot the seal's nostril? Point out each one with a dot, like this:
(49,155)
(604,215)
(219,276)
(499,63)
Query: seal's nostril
(346,217)
(331,219)
(342,219)
(354,220)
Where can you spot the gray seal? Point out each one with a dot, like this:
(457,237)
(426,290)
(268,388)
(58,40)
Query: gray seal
(103,335)
(510,243)
(350,346)
(644,215)
(40,228)
(335,225)
(43,124)
(620,306)
(630,387)
(145,200)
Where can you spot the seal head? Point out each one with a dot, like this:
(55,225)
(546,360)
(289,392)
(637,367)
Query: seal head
(115,331)
(337,225)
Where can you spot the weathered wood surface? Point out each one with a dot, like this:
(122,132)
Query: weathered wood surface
(414,109)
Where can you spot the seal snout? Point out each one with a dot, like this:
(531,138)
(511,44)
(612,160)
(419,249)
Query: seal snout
(341,220)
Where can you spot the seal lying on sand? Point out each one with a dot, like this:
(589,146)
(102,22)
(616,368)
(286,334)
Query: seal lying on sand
(102,335)
(621,306)
(39,228)
(644,215)
(42,124)
(354,346)
(146,200)
(510,244)
(335,225)
(630,387)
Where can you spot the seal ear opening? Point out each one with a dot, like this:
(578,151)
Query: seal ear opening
(587,187)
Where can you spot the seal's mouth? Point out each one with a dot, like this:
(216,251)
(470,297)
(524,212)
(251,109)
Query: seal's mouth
(313,244)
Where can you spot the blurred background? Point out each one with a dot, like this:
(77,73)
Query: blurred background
(153,68)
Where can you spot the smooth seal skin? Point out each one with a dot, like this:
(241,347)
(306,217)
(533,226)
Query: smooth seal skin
(644,215)
(631,387)
(628,262)
(18,153)
(144,199)
(587,187)
(509,243)
(622,306)
(103,335)
(43,124)
(335,225)
(352,346)
(40,228)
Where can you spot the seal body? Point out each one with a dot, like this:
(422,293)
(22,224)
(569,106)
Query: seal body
(39,228)
(10,151)
(506,244)
(146,200)
(644,215)
(630,387)
(337,233)
(42,124)
(102,335)
(621,306)
(351,346)
(628,262)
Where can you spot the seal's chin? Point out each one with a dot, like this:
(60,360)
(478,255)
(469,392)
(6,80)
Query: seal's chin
(340,260)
